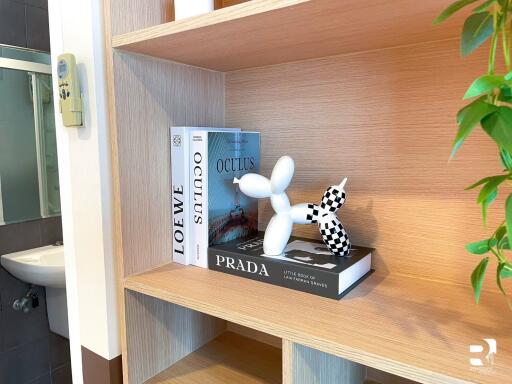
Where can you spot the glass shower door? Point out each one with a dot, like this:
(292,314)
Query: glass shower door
(18,160)
(46,145)
(29,183)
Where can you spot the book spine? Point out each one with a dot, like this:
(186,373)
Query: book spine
(180,195)
(271,271)
(199,197)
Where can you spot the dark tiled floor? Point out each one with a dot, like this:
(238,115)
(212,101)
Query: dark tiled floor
(45,379)
(59,351)
(25,363)
(62,375)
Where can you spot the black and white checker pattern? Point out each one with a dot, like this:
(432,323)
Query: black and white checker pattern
(312,213)
(335,237)
(333,199)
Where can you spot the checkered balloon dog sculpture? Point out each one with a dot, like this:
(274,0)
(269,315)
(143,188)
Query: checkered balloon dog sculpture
(279,228)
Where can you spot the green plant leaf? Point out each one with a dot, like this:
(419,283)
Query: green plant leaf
(481,247)
(508,76)
(500,233)
(484,84)
(490,187)
(506,270)
(484,6)
(498,125)
(477,29)
(486,180)
(505,93)
(477,278)
(504,243)
(506,159)
(508,217)
(501,266)
(486,203)
(450,10)
(468,118)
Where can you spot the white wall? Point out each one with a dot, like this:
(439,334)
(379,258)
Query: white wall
(76,26)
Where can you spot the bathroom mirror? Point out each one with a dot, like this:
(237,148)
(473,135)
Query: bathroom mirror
(29,182)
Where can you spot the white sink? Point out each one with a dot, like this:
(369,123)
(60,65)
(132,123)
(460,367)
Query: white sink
(44,266)
(41,266)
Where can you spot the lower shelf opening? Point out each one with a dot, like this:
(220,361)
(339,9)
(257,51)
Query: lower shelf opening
(230,358)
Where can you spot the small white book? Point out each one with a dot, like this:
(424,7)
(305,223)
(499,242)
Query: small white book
(180,191)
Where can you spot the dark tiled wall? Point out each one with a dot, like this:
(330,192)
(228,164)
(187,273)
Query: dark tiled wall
(29,352)
(24,23)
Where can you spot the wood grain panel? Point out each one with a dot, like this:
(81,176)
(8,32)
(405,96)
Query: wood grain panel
(412,328)
(311,366)
(146,97)
(132,15)
(263,32)
(228,3)
(385,119)
(160,333)
(287,351)
(229,359)
(374,376)
(254,334)
(151,96)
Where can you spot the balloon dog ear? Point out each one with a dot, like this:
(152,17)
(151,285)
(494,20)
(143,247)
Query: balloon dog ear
(282,174)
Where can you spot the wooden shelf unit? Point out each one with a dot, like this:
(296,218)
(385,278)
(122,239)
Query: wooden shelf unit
(369,87)
(387,322)
(266,32)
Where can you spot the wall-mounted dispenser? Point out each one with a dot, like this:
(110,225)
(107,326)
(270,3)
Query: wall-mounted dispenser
(69,91)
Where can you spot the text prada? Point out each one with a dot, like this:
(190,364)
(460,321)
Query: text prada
(241,265)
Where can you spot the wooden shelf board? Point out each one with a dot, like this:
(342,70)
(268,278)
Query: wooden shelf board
(228,359)
(417,329)
(265,32)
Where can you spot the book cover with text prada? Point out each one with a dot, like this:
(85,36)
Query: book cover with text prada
(220,212)
(180,191)
(306,265)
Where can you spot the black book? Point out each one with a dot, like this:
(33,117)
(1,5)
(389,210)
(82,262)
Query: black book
(306,265)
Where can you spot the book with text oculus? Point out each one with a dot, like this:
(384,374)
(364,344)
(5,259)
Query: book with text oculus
(180,191)
(306,265)
(220,212)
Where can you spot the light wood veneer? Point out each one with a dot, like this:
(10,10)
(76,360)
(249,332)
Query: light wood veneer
(380,113)
(264,32)
(229,359)
(417,329)
(385,119)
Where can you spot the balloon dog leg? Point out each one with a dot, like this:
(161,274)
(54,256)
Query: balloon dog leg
(277,234)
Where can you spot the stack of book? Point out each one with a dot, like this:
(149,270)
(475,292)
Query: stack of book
(216,226)
(207,208)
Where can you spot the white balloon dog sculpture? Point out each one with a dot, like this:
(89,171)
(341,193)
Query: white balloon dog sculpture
(279,229)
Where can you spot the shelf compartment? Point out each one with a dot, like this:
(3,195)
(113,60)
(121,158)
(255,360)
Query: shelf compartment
(413,328)
(265,32)
(228,359)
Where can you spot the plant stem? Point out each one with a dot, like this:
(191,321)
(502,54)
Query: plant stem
(494,43)
(505,36)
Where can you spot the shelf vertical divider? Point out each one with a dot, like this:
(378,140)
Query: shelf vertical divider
(304,365)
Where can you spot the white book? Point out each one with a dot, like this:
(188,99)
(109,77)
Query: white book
(220,212)
(180,192)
